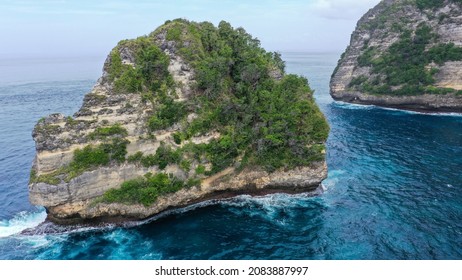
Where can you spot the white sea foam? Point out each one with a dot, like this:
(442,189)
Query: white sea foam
(22,221)
(270,201)
(444,114)
(332,179)
(353,106)
(37,241)
(267,202)
(368,107)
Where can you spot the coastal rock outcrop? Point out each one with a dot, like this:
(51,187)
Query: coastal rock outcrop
(404,54)
(188,113)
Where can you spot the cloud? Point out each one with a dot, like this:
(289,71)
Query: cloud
(44,26)
(342,9)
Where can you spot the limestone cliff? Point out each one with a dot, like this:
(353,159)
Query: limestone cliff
(404,54)
(188,113)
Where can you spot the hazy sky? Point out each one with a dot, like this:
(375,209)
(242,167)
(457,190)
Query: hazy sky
(59,28)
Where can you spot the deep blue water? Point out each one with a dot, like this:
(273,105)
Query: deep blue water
(394,189)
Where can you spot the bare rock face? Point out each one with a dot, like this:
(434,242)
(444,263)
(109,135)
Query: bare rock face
(399,57)
(122,133)
(226,184)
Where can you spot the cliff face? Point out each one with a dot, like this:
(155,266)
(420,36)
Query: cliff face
(404,54)
(188,113)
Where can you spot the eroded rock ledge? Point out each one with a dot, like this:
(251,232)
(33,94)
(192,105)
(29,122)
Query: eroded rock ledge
(226,185)
(448,103)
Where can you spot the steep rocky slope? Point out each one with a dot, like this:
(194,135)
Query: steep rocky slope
(405,54)
(188,113)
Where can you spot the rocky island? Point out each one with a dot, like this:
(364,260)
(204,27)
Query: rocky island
(188,113)
(404,54)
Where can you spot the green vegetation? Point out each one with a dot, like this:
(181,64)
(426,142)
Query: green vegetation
(168,113)
(92,156)
(358,81)
(404,65)
(144,190)
(200,169)
(275,124)
(44,178)
(88,158)
(444,52)
(47,129)
(150,73)
(149,77)
(203,123)
(429,4)
(70,121)
(185,165)
(191,182)
(342,56)
(434,4)
(365,59)
(136,157)
(110,131)
(164,156)
(177,138)
(113,149)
